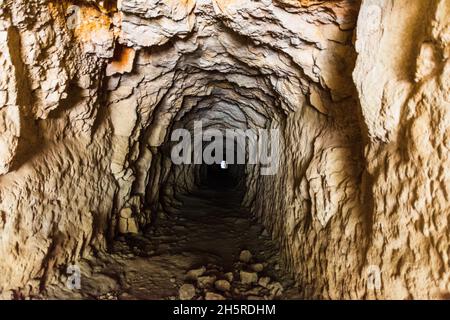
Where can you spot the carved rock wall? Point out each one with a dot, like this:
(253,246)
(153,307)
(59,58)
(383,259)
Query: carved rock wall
(91,91)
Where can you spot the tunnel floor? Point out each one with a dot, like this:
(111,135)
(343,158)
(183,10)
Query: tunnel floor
(209,230)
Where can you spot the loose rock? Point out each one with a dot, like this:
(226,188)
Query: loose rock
(257,267)
(195,273)
(186,292)
(214,296)
(276,289)
(245,256)
(206,281)
(229,276)
(264,282)
(248,277)
(222,285)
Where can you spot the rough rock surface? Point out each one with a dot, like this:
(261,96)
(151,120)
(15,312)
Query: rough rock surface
(406,111)
(244,285)
(154,264)
(90,93)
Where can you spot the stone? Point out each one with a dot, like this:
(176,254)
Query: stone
(206,281)
(222,285)
(214,296)
(125,296)
(126,213)
(248,277)
(245,256)
(186,292)
(127,223)
(229,276)
(194,274)
(122,63)
(264,282)
(257,267)
(357,89)
(132,226)
(276,289)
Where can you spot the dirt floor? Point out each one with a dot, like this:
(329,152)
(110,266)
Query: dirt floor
(208,248)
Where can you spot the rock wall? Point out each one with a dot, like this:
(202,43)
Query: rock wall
(406,110)
(315,207)
(91,91)
(56,187)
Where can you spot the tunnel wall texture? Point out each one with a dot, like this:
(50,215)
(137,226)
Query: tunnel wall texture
(90,93)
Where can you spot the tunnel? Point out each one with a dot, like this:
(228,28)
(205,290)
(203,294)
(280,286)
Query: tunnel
(221,177)
(224,150)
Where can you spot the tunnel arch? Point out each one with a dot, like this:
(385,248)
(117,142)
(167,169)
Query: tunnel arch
(232,79)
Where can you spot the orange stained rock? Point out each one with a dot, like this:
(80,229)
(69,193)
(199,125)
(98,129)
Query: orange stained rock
(91,21)
(122,62)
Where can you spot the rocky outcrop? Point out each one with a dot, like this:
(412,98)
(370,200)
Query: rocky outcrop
(56,189)
(405,111)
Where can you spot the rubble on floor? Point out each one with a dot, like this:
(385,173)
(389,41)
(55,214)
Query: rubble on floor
(247,281)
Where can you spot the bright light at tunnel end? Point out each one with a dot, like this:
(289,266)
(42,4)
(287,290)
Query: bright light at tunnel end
(252,147)
(224,165)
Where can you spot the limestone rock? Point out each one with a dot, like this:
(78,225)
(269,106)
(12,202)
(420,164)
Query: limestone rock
(194,274)
(123,62)
(222,285)
(186,292)
(127,223)
(264,282)
(229,276)
(248,277)
(245,256)
(276,289)
(257,267)
(214,296)
(206,281)
(91,93)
